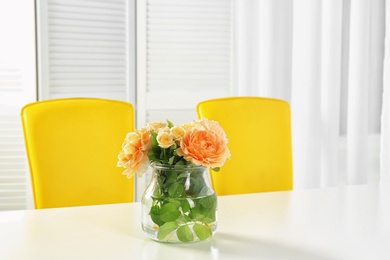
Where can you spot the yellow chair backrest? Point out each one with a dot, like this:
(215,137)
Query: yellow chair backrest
(72,147)
(259,136)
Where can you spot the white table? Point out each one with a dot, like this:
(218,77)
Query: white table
(333,223)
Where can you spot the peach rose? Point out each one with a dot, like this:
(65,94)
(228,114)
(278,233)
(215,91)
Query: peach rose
(211,126)
(134,154)
(205,144)
(164,139)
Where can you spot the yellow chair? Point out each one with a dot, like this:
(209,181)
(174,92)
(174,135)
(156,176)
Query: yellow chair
(72,146)
(259,136)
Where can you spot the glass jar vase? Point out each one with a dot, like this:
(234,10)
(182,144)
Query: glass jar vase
(179,205)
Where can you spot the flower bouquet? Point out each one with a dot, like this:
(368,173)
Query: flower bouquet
(179,204)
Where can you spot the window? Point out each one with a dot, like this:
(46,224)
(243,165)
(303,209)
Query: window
(17,87)
(88,49)
(184,56)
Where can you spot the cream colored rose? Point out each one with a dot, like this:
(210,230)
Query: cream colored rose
(156,126)
(188,126)
(177,132)
(165,129)
(164,139)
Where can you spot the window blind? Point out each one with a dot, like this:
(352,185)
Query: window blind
(87,49)
(185,50)
(17,87)
(12,164)
(184,56)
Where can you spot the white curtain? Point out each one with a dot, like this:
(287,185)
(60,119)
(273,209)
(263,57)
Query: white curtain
(326,59)
(385,130)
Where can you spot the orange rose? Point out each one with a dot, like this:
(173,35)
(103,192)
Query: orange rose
(205,144)
(134,154)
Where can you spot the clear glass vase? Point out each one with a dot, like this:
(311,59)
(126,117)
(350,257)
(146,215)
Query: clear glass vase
(179,204)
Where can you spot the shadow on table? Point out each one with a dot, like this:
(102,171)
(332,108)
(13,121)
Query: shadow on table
(230,246)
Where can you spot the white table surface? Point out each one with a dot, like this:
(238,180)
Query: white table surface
(332,223)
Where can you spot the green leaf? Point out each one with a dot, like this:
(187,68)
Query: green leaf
(166,229)
(185,206)
(157,192)
(204,191)
(152,156)
(175,202)
(196,185)
(173,147)
(207,202)
(202,231)
(154,153)
(155,215)
(183,175)
(154,141)
(156,219)
(181,162)
(204,209)
(169,212)
(176,189)
(208,220)
(170,124)
(188,218)
(155,209)
(171,160)
(216,169)
(210,215)
(162,156)
(196,213)
(184,234)
(171,177)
